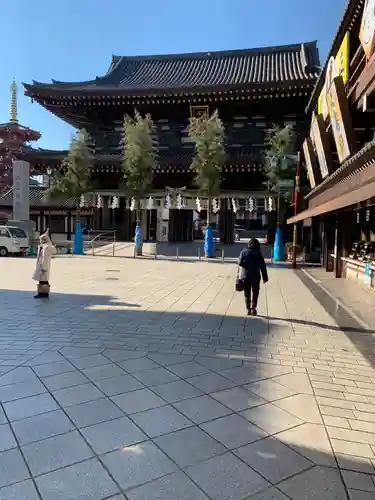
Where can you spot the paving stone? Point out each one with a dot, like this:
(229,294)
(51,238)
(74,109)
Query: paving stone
(93,412)
(138,401)
(226,478)
(12,467)
(268,494)
(169,359)
(302,406)
(121,355)
(77,394)
(64,380)
(359,481)
(27,407)
(176,391)
(238,399)
(269,390)
(87,480)
(210,382)
(90,361)
(189,446)
(103,372)
(53,368)
(188,369)
(156,376)
(173,487)
(201,409)
(322,483)
(114,434)
(56,452)
(20,374)
(21,390)
(142,462)
(7,440)
(79,352)
(217,364)
(272,459)
(233,431)
(20,491)
(159,421)
(41,426)
(119,385)
(138,365)
(271,418)
(3,419)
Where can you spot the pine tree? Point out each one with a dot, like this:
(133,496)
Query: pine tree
(139,161)
(207,134)
(74,179)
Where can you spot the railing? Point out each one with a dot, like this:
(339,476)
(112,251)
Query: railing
(101,239)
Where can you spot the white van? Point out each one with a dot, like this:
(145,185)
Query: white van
(13,240)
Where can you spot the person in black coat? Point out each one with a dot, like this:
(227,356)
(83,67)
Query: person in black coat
(252,266)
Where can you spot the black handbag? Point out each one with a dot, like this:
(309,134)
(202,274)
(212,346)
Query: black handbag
(239,283)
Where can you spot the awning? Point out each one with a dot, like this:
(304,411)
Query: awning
(358,195)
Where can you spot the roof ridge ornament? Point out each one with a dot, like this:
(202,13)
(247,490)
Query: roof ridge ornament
(13,102)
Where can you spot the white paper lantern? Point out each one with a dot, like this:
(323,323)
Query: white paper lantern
(252,206)
(179,202)
(150,203)
(168,202)
(268,203)
(115,202)
(198,203)
(234,205)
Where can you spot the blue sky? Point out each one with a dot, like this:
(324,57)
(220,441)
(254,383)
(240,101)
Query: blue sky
(74,40)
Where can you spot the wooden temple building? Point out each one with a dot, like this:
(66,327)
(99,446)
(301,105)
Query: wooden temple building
(339,151)
(252,89)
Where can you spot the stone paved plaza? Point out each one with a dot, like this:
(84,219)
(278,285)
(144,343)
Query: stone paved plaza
(143,379)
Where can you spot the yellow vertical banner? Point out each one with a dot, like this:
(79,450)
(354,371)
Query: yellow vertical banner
(342,59)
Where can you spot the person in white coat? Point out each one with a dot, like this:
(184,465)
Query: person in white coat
(43,266)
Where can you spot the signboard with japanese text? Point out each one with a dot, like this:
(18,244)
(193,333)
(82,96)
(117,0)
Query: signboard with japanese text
(367,30)
(320,143)
(21,180)
(310,159)
(339,113)
(338,65)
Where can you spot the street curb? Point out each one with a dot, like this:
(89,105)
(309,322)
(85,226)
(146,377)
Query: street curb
(339,302)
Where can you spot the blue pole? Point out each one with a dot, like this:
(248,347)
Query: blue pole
(78,240)
(138,240)
(209,250)
(278,246)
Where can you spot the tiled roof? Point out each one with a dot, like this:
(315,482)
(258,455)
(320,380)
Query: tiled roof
(271,66)
(38,199)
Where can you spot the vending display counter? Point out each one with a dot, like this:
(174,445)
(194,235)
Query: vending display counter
(363,272)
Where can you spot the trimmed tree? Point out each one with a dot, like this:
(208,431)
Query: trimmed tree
(207,134)
(280,165)
(138,164)
(74,180)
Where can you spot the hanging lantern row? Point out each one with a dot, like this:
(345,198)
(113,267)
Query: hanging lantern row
(198,203)
(81,201)
(99,202)
(132,204)
(367,215)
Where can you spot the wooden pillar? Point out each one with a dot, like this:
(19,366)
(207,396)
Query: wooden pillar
(106,215)
(328,241)
(338,246)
